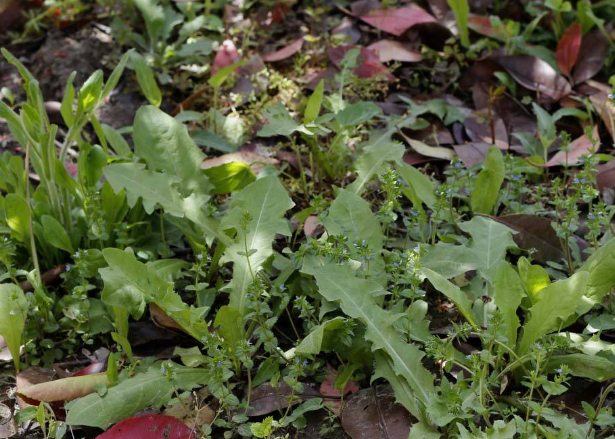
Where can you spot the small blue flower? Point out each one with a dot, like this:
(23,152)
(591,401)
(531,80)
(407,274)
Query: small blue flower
(417,248)
(570,228)
(516,177)
(281,287)
(199,256)
(582,180)
(539,346)
(469,356)
(67,268)
(575,180)
(77,255)
(559,370)
(162,369)
(414,212)
(396,264)
(297,360)
(363,243)
(368,257)
(219,364)
(448,191)
(458,165)
(591,216)
(305,363)
(611,95)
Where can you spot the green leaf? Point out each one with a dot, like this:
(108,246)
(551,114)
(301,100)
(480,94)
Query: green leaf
(356,298)
(281,123)
(17,214)
(229,177)
(55,234)
(438,152)
(601,268)
(508,293)
(266,202)
(154,17)
(147,81)
(211,140)
(130,284)
(66,108)
(231,327)
(559,301)
(144,390)
(403,392)
(586,366)
(221,75)
(453,292)
(355,114)
(312,344)
(153,188)
(490,240)
(13,314)
(312,109)
(546,128)
(115,75)
(487,188)
(165,145)
(262,429)
(90,92)
(374,160)
(535,278)
(421,184)
(450,260)
(117,141)
(461,10)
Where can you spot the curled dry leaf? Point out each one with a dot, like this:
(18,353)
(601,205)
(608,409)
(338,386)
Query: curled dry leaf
(391,50)
(65,389)
(592,55)
(369,64)
(266,399)
(30,377)
(437,152)
(256,161)
(568,48)
(373,414)
(579,147)
(150,427)
(397,20)
(535,74)
(227,54)
(535,232)
(285,52)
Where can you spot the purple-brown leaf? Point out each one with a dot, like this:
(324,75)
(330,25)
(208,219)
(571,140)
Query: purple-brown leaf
(568,48)
(592,55)
(285,52)
(397,20)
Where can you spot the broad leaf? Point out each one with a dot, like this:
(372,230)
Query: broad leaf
(490,240)
(13,314)
(264,202)
(150,389)
(487,187)
(153,188)
(373,161)
(508,292)
(165,145)
(587,366)
(281,123)
(55,234)
(229,177)
(355,114)
(421,184)
(601,269)
(558,302)
(450,260)
(316,341)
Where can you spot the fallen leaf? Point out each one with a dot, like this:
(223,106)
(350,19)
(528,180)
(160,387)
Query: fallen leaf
(478,128)
(193,414)
(368,62)
(363,7)
(605,177)
(285,52)
(472,153)
(594,48)
(327,388)
(579,147)
(603,105)
(535,232)
(30,377)
(414,158)
(535,74)
(161,318)
(65,389)
(8,425)
(373,414)
(227,54)
(397,20)
(312,227)
(150,427)
(266,399)
(390,50)
(568,48)
(247,157)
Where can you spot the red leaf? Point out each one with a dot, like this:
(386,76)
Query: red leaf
(227,54)
(369,65)
(390,50)
(150,427)
(580,146)
(568,48)
(481,24)
(285,52)
(397,20)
